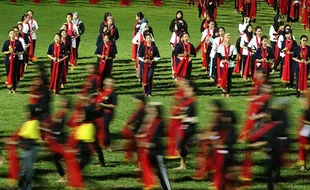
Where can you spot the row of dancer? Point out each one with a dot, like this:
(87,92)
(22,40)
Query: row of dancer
(19,49)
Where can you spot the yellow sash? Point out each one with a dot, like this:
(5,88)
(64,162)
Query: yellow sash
(30,130)
(85,132)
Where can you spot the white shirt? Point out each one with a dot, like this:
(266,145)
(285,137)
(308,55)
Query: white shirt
(242,27)
(26,28)
(244,40)
(22,41)
(174,39)
(253,43)
(216,44)
(34,26)
(272,31)
(232,51)
(136,39)
(74,31)
(205,33)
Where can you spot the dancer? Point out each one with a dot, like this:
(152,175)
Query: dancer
(34,28)
(106,53)
(148,55)
(301,56)
(227,54)
(183,52)
(57,53)
(73,33)
(81,29)
(12,48)
(179,18)
(246,54)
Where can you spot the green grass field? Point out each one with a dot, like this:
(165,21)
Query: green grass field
(118,174)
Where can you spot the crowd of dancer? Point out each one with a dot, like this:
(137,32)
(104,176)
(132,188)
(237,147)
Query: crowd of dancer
(265,126)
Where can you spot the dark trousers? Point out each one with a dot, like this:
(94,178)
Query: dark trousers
(78,40)
(150,75)
(273,168)
(60,170)
(29,157)
(99,153)
(107,119)
(183,142)
(159,166)
(85,154)
(34,45)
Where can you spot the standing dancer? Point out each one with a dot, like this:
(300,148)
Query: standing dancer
(183,52)
(305,14)
(138,39)
(134,47)
(66,41)
(20,69)
(34,27)
(27,37)
(273,31)
(207,40)
(12,48)
(106,53)
(246,54)
(175,38)
(215,72)
(73,33)
(179,18)
(25,55)
(227,54)
(253,45)
(205,22)
(264,57)
(57,53)
(148,55)
(81,29)
(301,56)
(288,46)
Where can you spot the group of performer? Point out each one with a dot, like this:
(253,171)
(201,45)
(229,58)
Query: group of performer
(64,51)
(19,49)
(265,127)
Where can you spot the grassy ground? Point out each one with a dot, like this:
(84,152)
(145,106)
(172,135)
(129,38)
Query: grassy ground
(117,174)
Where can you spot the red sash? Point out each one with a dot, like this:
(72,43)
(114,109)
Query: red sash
(224,74)
(302,75)
(30,53)
(183,65)
(218,68)
(287,62)
(127,133)
(70,29)
(103,62)
(64,70)
(205,47)
(12,64)
(124,2)
(13,160)
(247,69)
(134,46)
(148,174)
(55,69)
(148,54)
(239,58)
(305,15)
(253,108)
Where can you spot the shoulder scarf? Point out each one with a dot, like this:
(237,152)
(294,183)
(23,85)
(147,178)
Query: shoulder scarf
(102,64)
(302,75)
(55,69)
(183,65)
(10,79)
(148,54)
(287,61)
